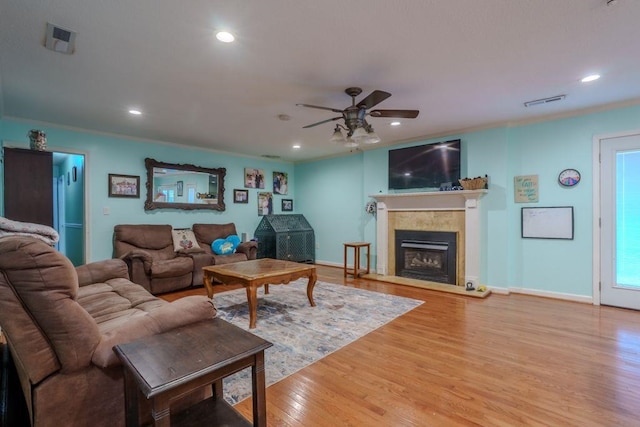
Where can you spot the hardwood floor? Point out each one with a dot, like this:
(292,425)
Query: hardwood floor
(512,360)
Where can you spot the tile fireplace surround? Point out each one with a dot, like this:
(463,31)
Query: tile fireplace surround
(436,211)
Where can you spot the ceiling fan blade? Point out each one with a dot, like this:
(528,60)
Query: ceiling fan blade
(403,114)
(319,123)
(319,107)
(374,98)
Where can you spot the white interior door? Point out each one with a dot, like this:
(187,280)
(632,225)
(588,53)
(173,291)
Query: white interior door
(620,221)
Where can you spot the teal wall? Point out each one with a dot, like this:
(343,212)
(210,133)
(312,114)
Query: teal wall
(336,191)
(332,193)
(107,154)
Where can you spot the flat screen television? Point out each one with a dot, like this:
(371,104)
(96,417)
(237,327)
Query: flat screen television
(425,166)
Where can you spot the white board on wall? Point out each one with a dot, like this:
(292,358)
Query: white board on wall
(548,223)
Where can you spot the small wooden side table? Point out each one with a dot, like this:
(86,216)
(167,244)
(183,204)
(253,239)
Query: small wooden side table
(356,257)
(171,364)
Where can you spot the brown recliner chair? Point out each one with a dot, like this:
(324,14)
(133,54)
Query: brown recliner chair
(61,324)
(205,235)
(153,263)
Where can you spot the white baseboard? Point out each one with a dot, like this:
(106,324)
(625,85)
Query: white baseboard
(552,294)
(506,291)
(330,264)
(539,293)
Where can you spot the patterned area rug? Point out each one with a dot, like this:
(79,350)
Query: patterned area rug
(302,334)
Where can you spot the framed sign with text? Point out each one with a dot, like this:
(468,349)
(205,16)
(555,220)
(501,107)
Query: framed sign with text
(525,188)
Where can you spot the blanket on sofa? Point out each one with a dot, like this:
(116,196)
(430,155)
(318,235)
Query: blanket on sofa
(45,233)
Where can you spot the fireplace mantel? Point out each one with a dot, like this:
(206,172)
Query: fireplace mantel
(430,201)
(467,200)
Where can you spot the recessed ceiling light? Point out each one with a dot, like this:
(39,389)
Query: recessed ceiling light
(135,112)
(225,36)
(296,147)
(590,78)
(395,123)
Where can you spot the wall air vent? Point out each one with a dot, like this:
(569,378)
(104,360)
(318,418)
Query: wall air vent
(545,100)
(59,39)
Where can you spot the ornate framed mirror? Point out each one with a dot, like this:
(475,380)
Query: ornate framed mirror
(185,186)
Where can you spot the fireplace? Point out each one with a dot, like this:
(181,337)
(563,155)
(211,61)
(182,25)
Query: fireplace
(426,255)
(453,211)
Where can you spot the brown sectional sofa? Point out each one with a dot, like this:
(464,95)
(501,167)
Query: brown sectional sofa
(153,262)
(61,324)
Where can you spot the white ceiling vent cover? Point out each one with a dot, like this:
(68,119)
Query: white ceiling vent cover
(59,39)
(545,100)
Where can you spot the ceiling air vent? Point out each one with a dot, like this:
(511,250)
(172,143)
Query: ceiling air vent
(545,100)
(59,39)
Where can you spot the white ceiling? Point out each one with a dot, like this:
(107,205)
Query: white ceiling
(463,63)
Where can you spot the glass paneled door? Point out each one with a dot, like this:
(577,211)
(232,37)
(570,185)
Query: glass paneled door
(620,221)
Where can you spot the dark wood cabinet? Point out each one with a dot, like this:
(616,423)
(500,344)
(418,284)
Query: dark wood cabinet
(28,185)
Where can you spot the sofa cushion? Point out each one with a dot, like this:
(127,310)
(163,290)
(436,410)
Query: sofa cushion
(171,267)
(178,313)
(113,302)
(225,246)
(47,285)
(147,236)
(184,240)
(226,259)
(207,233)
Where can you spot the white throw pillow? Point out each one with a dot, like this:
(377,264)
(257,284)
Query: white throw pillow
(184,240)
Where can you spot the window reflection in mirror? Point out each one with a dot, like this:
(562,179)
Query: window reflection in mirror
(184,186)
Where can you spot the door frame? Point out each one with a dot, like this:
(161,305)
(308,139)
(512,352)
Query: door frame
(597,238)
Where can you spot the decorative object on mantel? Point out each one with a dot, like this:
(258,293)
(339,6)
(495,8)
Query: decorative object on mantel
(370,207)
(477,183)
(37,139)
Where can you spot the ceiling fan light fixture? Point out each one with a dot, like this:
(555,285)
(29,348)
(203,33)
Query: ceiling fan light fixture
(351,143)
(357,128)
(359,134)
(337,136)
(372,137)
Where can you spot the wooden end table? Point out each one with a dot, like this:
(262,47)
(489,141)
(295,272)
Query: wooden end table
(255,273)
(169,365)
(356,258)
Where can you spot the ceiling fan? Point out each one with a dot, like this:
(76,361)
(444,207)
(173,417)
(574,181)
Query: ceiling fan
(358,130)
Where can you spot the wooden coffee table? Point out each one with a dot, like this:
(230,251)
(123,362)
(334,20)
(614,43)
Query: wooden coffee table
(255,273)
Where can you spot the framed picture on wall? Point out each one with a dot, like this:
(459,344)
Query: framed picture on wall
(253,178)
(287,205)
(265,204)
(280,183)
(179,188)
(240,196)
(124,185)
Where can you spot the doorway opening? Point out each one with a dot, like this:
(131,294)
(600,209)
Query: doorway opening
(69,204)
